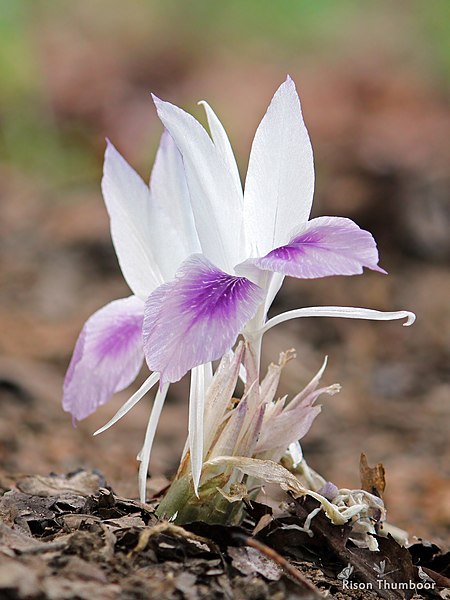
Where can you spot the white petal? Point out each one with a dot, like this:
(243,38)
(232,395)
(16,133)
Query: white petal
(222,143)
(280,180)
(196,416)
(173,234)
(215,199)
(127,199)
(144,455)
(344,312)
(275,283)
(131,402)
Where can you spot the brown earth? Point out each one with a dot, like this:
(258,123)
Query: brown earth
(72,538)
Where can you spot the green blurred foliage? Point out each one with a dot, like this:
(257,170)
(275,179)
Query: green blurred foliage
(30,139)
(61,152)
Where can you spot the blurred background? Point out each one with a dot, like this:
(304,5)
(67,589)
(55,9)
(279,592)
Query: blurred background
(374,81)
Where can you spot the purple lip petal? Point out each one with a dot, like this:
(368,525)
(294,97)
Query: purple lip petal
(196,318)
(108,356)
(326,246)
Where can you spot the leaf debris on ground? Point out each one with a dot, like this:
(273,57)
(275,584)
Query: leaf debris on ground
(71,537)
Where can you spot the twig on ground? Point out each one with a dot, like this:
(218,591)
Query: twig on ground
(283,563)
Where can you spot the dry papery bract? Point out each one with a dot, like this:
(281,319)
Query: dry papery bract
(245,442)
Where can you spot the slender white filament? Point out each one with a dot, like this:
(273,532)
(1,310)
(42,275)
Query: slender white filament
(345,312)
(196,417)
(145,387)
(144,454)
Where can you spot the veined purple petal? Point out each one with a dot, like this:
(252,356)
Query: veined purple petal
(108,356)
(326,246)
(196,318)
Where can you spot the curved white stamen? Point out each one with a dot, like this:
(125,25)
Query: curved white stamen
(345,312)
(144,454)
(145,387)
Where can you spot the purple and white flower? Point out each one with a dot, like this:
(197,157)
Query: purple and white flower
(250,240)
(146,221)
(205,259)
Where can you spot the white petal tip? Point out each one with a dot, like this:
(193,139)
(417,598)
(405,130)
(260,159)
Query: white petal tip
(333,389)
(103,429)
(410,318)
(157,101)
(196,482)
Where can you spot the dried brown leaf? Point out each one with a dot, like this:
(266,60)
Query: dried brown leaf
(249,561)
(372,478)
